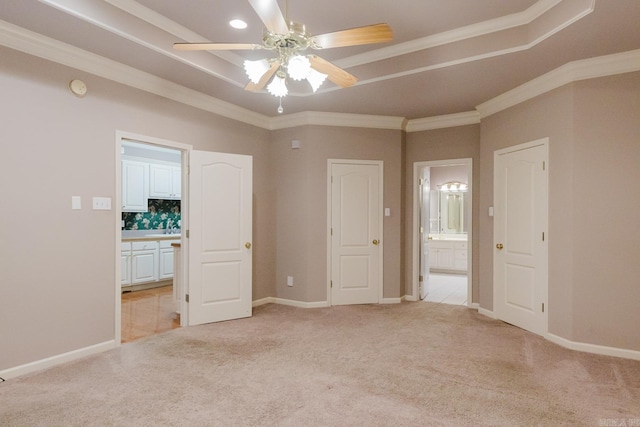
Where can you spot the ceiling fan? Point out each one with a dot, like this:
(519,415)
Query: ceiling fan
(289,41)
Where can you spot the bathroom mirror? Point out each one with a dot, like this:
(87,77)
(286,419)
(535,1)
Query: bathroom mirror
(447,211)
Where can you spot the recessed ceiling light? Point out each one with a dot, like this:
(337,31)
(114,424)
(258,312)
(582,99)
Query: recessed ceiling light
(238,24)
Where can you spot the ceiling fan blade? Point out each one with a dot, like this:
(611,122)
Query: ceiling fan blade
(264,79)
(216,46)
(271,15)
(336,74)
(377,33)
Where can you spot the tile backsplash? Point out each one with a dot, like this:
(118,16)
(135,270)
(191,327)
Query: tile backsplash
(161,213)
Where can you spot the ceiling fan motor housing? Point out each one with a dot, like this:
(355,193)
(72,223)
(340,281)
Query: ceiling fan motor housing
(297,39)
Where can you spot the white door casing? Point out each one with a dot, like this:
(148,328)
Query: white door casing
(356,245)
(220,236)
(520,235)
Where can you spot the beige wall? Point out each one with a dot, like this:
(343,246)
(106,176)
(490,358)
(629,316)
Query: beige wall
(606,214)
(301,203)
(441,144)
(593,129)
(57,265)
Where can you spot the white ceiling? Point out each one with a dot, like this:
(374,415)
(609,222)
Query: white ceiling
(446,57)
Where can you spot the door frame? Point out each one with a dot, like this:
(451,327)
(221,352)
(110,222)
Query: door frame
(468,162)
(122,136)
(380,164)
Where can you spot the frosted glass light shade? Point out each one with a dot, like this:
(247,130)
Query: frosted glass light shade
(315,79)
(256,69)
(278,87)
(298,67)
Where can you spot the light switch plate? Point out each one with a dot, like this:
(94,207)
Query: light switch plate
(102,203)
(387,211)
(76,202)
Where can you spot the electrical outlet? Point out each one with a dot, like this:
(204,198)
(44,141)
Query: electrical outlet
(289,280)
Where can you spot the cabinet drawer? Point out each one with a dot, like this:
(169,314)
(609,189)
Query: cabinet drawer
(167,243)
(460,245)
(460,254)
(144,246)
(440,245)
(125,246)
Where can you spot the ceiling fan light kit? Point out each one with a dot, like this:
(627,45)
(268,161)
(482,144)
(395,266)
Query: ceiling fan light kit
(289,40)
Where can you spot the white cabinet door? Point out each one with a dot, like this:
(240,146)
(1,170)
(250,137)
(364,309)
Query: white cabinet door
(445,258)
(125,269)
(144,267)
(176,177)
(135,186)
(144,262)
(164,181)
(165,262)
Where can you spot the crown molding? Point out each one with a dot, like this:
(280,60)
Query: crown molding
(445,121)
(618,63)
(308,118)
(38,45)
(479,29)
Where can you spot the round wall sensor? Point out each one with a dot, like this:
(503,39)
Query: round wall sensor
(78,87)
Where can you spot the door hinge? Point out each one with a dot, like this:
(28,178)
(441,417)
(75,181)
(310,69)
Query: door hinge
(186,297)
(421,278)
(332,231)
(187,234)
(544,165)
(188,170)
(543,307)
(543,236)
(332,283)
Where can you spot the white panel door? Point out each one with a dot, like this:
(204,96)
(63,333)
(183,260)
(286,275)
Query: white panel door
(520,224)
(425,226)
(356,248)
(220,222)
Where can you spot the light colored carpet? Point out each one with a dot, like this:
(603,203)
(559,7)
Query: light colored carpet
(409,364)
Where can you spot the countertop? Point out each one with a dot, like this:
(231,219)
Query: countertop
(130,235)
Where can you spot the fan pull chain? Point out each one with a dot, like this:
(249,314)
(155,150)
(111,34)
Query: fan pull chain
(280,109)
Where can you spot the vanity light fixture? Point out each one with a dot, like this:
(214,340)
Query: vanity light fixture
(453,187)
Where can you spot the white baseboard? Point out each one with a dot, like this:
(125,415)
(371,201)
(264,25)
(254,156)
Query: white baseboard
(580,346)
(391,301)
(410,298)
(263,301)
(486,312)
(56,360)
(474,305)
(594,348)
(292,303)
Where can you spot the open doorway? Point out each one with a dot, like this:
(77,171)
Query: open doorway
(442,231)
(150,215)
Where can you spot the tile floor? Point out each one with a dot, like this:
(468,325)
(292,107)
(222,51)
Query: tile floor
(148,312)
(447,289)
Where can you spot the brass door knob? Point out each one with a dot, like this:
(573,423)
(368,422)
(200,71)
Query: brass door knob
(247,245)
(499,246)
(376,241)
